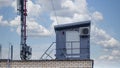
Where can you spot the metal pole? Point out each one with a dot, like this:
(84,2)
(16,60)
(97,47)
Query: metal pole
(0,51)
(11,52)
(8,60)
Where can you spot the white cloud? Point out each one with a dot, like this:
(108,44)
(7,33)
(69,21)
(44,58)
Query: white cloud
(116,52)
(105,57)
(109,57)
(97,16)
(69,4)
(81,17)
(33,9)
(79,6)
(100,37)
(113,56)
(70,12)
(110,46)
(15,22)
(33,28)
(3,22)
(66,8)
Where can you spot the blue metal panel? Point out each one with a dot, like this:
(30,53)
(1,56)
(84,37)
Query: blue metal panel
(85,47)
(60,45)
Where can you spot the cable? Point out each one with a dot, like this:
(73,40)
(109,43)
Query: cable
(54,11)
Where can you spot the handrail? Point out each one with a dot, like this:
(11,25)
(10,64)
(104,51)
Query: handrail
(72,48)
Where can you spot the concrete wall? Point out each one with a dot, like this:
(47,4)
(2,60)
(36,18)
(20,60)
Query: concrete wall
(47,64)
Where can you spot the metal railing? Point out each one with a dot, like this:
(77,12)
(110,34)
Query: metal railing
(71,49)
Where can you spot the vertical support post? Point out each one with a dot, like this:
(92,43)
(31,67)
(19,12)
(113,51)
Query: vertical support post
(71,49)
(0,51)
(11,52)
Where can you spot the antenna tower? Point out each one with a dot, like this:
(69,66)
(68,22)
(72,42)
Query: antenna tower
(25,51)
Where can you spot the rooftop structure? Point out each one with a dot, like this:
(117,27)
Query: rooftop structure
(73,41)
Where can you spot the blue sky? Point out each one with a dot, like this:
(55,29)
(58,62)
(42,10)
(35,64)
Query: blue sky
(104,14)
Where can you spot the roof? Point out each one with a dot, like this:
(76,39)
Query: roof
(72,25)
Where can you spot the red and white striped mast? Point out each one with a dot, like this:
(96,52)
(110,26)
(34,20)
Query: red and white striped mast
(25,51)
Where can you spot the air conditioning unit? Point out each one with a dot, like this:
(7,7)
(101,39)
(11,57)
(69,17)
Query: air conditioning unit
(84,31)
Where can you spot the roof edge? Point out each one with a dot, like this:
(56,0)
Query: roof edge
(72,25)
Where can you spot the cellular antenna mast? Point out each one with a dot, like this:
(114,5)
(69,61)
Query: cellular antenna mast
(25,51)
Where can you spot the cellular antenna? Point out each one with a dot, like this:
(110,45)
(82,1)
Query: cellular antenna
(25,51)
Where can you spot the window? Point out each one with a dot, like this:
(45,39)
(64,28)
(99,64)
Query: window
(72,43)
